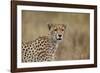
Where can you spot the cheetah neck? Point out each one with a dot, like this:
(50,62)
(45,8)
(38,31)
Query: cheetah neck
(53,41)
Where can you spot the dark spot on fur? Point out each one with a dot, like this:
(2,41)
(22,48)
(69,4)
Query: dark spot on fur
(26,49)
(25,46)
(29,51)
(23,49)
(29,57)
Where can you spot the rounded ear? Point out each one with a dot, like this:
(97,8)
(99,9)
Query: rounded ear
(49,26)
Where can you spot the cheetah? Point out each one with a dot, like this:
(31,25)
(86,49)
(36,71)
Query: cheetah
(44,47)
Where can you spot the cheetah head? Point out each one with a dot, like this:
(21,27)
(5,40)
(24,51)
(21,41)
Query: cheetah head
(57,31)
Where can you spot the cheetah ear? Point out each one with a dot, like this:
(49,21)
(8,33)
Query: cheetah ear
(64,26)
(49,26)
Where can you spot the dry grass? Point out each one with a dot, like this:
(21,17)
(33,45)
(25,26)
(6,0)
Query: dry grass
(76,40)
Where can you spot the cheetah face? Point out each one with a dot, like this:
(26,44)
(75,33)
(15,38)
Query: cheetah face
(57,31)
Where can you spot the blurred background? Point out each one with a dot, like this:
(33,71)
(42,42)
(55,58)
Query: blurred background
(75,46)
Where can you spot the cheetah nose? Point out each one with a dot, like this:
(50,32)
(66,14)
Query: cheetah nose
(59,35)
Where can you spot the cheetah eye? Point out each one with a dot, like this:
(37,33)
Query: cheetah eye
(62,29)
(55,29)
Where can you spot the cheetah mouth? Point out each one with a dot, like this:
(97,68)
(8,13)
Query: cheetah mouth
(59,39)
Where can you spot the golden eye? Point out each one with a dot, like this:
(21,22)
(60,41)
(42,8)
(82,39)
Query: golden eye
(55,29)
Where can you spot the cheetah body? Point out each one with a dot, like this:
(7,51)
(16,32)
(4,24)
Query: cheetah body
(43,48)
(31,51)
